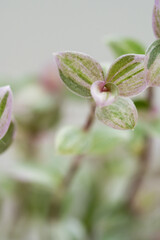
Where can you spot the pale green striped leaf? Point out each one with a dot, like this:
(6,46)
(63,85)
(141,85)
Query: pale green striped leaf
(124,45)
(156,18)
(78,72)
(128,74)
(122,114)
(153,64)
(5,109)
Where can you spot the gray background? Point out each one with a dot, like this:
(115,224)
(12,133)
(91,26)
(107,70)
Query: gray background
(30,30)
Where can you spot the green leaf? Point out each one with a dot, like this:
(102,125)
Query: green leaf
(122,46)
(128,74)
(105,139)
(6,141)
(72,140)
(152,64)
(33,173)
(98,141)
(78,71)
(122,114)
(142,104)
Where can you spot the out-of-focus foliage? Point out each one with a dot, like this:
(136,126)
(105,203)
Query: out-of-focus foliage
(121,46)
(34,203)
(36,109)
(99,141)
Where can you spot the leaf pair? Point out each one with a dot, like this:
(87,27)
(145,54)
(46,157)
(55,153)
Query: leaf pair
(79,71)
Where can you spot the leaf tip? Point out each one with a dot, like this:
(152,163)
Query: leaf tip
(156,19)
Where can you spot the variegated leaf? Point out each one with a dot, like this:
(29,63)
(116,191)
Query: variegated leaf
(104,94)
(153,64)
(122,114)
(124,45)
(78,72)
(6,141)
(5,109)
(128,74)
(156,18)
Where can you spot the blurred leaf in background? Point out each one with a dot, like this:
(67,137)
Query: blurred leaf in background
(124,45)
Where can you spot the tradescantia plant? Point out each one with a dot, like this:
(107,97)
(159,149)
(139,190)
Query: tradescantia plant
(128,76)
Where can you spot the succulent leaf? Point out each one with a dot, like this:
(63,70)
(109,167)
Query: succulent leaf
(128,74)
(122,114)
(78,71)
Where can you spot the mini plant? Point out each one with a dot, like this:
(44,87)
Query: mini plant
(110,90)
(102,202)
(128,76)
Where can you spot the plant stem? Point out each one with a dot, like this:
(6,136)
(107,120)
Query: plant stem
(90,119)
(150,98)
(78,159)
(67,180)
(144,160)
(139,177)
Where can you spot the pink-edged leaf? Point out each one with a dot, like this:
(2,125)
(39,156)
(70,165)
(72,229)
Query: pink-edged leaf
(156,18)
(128,74)
(78,71)
(7,140)
(122,114)
(5,109)
(103,94)
(152,64)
